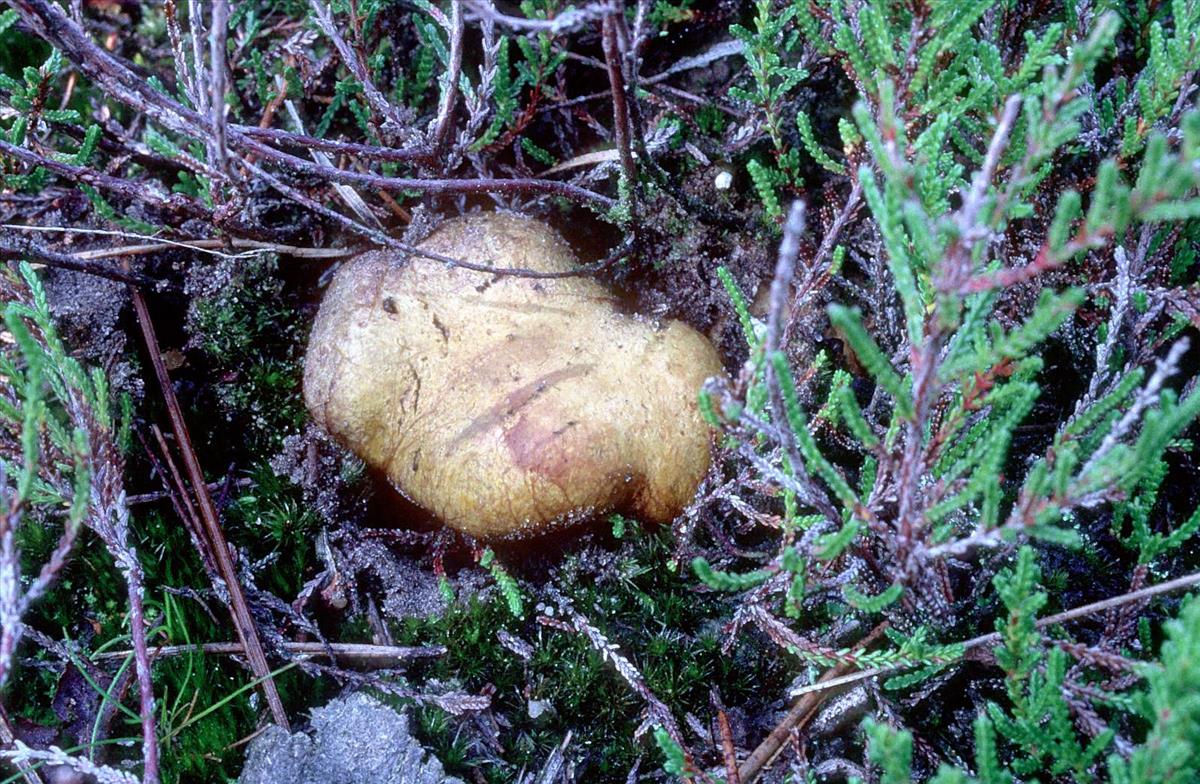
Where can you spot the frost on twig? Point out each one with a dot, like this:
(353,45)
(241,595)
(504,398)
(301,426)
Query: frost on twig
(20,754)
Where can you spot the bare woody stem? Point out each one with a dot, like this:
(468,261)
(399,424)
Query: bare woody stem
(955,269)
(218,35)
(393,122)
(16,247)
(989,640)
(842,675)
(137,632)
(621,128)
(377,653)
(781,285)
(445,116)
(243,621)
(800,713)
(125,85)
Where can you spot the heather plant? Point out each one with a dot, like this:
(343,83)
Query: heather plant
(70,457)
(1041,727)
(26,487)
(952,145)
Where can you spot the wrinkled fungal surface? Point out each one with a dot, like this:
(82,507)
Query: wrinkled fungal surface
(507,405)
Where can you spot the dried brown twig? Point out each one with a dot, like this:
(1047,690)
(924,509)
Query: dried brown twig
(728,750)
(801,712)
(21,248)
(990,640)
(181,500)
(621,127)
(243,621)
(279,136)
(175,204)
(342,650)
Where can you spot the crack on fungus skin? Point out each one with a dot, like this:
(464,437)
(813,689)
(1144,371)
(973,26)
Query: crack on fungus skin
(415,406)
(517,399)
(519,307)
(442,328)
(565,428)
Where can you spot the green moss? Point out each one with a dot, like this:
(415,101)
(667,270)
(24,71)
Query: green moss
(270,518)
(667,629)
(250,334)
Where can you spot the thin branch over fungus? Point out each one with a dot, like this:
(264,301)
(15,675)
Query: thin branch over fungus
(621,126)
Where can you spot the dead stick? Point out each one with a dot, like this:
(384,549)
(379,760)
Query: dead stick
(152,244)
(1178,584)
(19,248)
(801,713)
(187,509)
(728,750)
(621,127)
(243,622)
(347,650)
(266,247)
(123,83)
(182,502)
(162,495)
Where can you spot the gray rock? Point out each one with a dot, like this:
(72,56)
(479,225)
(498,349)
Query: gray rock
(353,740)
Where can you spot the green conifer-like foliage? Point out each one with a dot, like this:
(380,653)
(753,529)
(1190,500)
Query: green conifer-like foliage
(953,154)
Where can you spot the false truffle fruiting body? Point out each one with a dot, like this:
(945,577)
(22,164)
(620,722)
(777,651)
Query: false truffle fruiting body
(507,404)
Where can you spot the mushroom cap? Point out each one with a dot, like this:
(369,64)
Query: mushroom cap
(508,405)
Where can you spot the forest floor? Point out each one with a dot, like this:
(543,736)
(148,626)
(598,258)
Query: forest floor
(998,428)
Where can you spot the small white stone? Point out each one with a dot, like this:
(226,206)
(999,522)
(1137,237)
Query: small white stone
(723,181)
